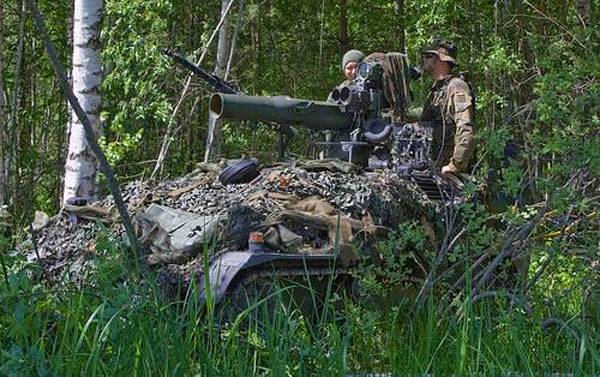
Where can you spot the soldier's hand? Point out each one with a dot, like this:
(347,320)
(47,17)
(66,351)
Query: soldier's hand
(448,169)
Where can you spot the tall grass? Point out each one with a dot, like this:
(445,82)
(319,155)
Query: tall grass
(123,326)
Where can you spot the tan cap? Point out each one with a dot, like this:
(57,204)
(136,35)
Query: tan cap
(445,50)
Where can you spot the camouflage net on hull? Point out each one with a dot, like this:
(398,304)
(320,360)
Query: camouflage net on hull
(281,200)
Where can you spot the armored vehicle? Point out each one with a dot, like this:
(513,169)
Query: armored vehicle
(373,138)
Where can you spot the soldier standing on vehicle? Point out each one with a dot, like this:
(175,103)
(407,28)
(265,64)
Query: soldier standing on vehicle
(448,111)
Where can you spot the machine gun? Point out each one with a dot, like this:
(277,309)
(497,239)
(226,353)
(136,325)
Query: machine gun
(219,85)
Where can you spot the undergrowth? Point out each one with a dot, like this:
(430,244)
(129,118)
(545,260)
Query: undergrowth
(123,325)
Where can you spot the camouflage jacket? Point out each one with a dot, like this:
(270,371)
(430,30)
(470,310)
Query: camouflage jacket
(448,113)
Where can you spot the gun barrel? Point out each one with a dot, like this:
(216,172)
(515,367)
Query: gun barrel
(282,110)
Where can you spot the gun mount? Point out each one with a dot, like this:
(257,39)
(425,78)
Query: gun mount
(367,117)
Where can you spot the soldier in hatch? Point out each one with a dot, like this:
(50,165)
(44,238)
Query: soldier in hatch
(448,110)
(350,62)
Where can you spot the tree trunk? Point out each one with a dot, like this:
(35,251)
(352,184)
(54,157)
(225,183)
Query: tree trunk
(61,161)
(213,139)
(80,113)
(12,134)
(81,164)
(223,43)
(234,39)
(399,10)
(343,34)
(584,12)
(2,138)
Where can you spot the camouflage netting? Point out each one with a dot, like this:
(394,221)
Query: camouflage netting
(297,208)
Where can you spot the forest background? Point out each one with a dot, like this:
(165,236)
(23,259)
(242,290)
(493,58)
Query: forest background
(533,65)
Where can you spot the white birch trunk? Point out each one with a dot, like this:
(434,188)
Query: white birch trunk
(81,164)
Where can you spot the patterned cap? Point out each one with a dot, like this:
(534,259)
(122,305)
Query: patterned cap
(445,50)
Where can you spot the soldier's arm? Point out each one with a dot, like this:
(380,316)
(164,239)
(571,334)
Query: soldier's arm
(461,110)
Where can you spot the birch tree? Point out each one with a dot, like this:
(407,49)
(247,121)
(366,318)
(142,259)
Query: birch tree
(86,125)
(81,163)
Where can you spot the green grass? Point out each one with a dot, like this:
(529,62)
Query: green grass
(124,327)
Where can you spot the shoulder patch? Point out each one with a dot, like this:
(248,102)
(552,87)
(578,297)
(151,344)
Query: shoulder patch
(462,100)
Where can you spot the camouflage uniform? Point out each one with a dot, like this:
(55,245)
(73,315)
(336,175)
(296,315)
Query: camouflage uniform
(448,113)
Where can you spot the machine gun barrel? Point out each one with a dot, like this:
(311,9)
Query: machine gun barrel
(282,110)
(216,83)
